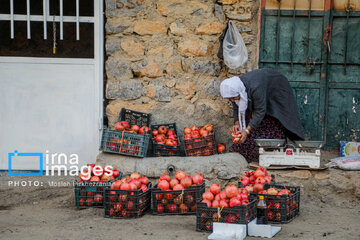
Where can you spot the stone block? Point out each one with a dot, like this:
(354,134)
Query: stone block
(132,48)
(194,48)
(116,70)
(178,29)
(151,70)
(210,68)
(210,28)
(125,90)
(147,27)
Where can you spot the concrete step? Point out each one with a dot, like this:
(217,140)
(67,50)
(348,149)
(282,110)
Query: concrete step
(221,166)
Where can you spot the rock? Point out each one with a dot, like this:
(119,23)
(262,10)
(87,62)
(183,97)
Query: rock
(151,70)
(115,25)
(112,45)
(116,70)
(187,89)
(158,91)
(165,51)
(230,165)
(174,67)
(227,1)
(341,182)
(122,8)
(239,11)
(322,176)
(147,27)
(177,8)
(212,89)
(125,90)
(210,28)
(190,110)
(301,174)
(193,48)
(171,83)
(114,107)
(243,28)
(132,48)
(178,29)
(207,104)
(219,13)
(210,68)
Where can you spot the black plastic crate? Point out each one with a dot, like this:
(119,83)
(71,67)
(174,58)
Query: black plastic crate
(134,117)
(281,208)
(168,202)
(127,204)
(125,143)
(202,146)
(206,216)
(91,194)
(163,149)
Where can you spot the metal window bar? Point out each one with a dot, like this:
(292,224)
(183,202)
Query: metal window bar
(44,18)
(293,38)
(308,40)
(28,19)
(61,20)
(12,19)
(77,21)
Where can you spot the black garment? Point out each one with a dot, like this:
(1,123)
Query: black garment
(270,93)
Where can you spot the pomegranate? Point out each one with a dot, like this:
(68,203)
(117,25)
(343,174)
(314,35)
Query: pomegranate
(208,195)
(260,180)
(116,173)
(272,191)
(155,132)
(187,131)
(194,128)
(223,195)
(135,128)
(223,204)
(178,187)
(215,204)
(260,172)
(208,203)
(221,148)
(258,187)
(163,185)
(217,197)
(169,196)
(125,124)
(215,189)
(284,192)
(98,198)
(180,175)
(116,185)
(160,208)
(144,188)
(119,126)
(144,129)
(170,132)
(183,208)
(189,198)
(132,186)
(89,202)
(165,177)
(135,176)
(95,179)
(203,132)
(268,179)
(112,195)
(162,130)
(197,179)
(122,197)
(187,137)
(159,139)
(137,183)
(252,179)
(172,208)
(244,196)
(209,127)
(234,202)
(178,200)
(186,182)
(248,174)
(144,180)
(244,202)
(231,191)
(159,196)
(245,181)
(173,183)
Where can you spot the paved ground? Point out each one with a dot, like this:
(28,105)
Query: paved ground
(49,213)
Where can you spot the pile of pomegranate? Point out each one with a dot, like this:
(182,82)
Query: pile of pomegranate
(228,198)
(196,132)
(94,176)
(125,126)
(162,135)
(254,181)
(125,204)
(180,182)
(177,202)
(95,173)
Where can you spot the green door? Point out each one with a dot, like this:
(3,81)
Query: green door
(294,42)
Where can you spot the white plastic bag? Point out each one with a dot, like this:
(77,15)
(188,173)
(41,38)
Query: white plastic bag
(234,50)
(345,163)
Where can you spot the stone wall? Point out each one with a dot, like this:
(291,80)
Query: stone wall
(162,58)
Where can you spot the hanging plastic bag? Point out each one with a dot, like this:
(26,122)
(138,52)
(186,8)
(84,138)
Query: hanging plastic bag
(234,50)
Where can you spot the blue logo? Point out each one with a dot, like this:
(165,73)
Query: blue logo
(15,153)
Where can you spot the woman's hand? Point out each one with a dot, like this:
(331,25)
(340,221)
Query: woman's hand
(243,136)
(235,129)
